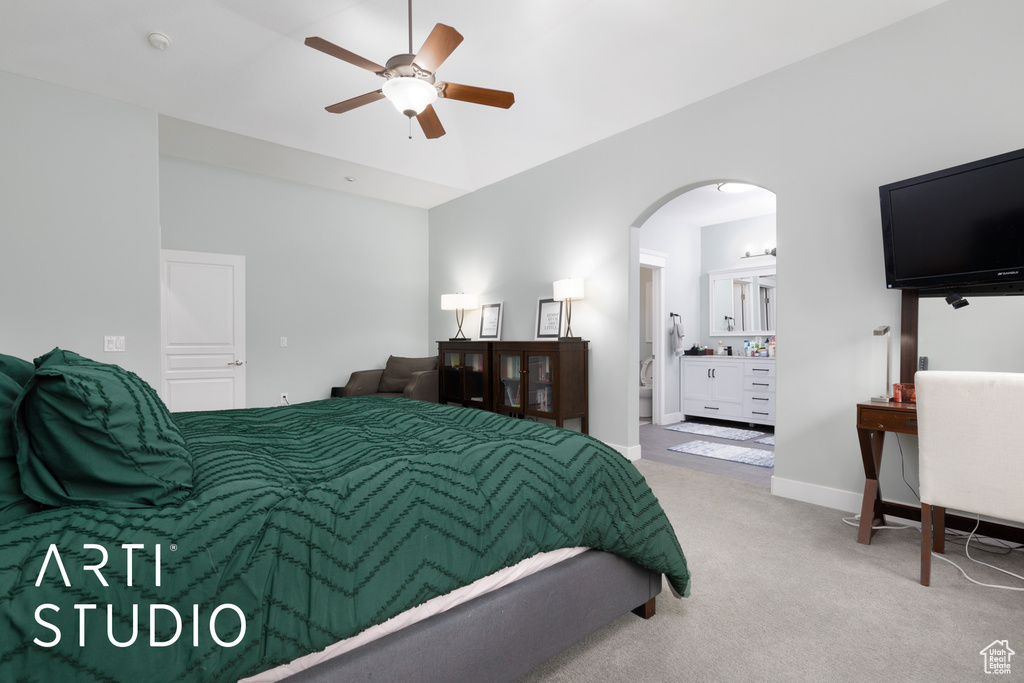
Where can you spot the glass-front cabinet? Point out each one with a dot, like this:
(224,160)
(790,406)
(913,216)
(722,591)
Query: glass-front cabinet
(542,379)
(538,379)
(465,373)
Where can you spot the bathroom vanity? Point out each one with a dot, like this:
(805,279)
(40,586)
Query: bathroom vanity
(730,388)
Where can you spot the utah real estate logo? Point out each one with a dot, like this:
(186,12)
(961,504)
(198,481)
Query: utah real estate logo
(997,657)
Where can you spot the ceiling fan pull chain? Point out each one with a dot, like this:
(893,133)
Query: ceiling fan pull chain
(410,128)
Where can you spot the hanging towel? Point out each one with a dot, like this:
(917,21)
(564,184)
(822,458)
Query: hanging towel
(677,339)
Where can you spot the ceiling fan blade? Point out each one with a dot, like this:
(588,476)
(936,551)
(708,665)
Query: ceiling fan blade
(469,93)
(430,124)
(441,42)
(327,47)
(348,105)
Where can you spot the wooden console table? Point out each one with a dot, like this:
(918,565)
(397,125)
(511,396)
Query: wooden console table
(873,421)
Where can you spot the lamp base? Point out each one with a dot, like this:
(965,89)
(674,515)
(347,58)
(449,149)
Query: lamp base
(570,339)
(458,338)
(881,399)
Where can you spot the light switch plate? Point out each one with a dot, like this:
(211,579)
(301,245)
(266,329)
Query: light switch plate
(113,344)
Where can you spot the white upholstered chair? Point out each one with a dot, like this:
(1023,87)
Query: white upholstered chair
(971,443)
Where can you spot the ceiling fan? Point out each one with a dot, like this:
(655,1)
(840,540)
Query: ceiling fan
(409,79)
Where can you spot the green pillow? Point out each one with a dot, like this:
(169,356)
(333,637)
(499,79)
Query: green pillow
(17,369)
(93,433)
(13,502)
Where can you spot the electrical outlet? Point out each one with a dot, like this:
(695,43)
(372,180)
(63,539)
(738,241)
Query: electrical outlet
(922,363)
(284,342)
(284,398)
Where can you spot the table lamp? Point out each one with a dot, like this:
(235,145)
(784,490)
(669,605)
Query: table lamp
(567,290)
(459,303)
(880,331)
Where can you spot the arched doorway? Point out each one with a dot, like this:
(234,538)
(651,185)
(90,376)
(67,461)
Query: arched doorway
(699,232)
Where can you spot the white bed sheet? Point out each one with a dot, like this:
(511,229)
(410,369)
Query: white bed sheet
(441,603)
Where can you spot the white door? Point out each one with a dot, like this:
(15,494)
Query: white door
(202,330)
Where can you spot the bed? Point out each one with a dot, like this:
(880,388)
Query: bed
(234,542)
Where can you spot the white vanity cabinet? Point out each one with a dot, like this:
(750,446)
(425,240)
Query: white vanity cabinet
(713,387)
(730,388)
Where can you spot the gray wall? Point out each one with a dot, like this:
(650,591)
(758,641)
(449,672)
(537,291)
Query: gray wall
(681,291)
(79,231)
(985,335)
(341,276)
(83,193)
(939,89)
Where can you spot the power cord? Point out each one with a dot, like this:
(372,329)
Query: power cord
(855,521)
(953,536)
(903,467)
(967,549)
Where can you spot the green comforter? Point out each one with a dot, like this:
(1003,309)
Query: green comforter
(306,525)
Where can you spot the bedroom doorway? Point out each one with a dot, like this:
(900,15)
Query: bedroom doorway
(202,330)
(706,232)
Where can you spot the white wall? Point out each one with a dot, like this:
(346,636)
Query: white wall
(83,193)
(681,284)
(79,231)
(987,335)
(939,89)
(341,276)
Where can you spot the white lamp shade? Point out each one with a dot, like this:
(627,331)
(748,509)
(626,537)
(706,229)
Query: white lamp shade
(409,94)
(454,302)
(570,288)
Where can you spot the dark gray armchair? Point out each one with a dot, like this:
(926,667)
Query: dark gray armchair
(406,377)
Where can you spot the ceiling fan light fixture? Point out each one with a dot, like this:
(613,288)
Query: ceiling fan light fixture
(409,94)
(733,188)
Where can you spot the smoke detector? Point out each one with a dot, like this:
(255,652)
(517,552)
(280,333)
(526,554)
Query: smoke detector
(159,40)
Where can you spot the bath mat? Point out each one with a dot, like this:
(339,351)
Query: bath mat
(717,431)
(767,441)
(723,451)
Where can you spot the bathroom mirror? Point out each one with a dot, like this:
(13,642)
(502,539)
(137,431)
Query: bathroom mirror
(742,301)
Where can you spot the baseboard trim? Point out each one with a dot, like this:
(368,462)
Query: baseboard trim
(670,419)
(847,501)
(628,452)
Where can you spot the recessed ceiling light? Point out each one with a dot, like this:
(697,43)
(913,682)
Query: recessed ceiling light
(159,40)
(734,187)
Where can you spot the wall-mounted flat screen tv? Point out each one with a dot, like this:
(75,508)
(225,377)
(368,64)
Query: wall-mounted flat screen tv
(958,229)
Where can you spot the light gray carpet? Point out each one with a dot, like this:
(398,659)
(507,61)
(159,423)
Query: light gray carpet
(782,591)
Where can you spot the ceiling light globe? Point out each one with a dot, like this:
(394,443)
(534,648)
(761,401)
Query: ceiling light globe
(733,188)
(409,94)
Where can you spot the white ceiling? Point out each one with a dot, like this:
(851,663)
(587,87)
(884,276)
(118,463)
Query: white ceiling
(706,205)
(581,70)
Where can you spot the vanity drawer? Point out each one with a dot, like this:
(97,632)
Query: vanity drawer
(759,406)
(722,409)
(759,384)
(760,368)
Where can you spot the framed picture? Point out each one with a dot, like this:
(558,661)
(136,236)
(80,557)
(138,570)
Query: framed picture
(549,318)
(490,321)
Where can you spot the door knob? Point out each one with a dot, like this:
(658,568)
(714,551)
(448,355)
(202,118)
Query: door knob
(238,362)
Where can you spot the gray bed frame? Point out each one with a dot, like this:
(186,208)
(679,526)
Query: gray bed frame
(504,634)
